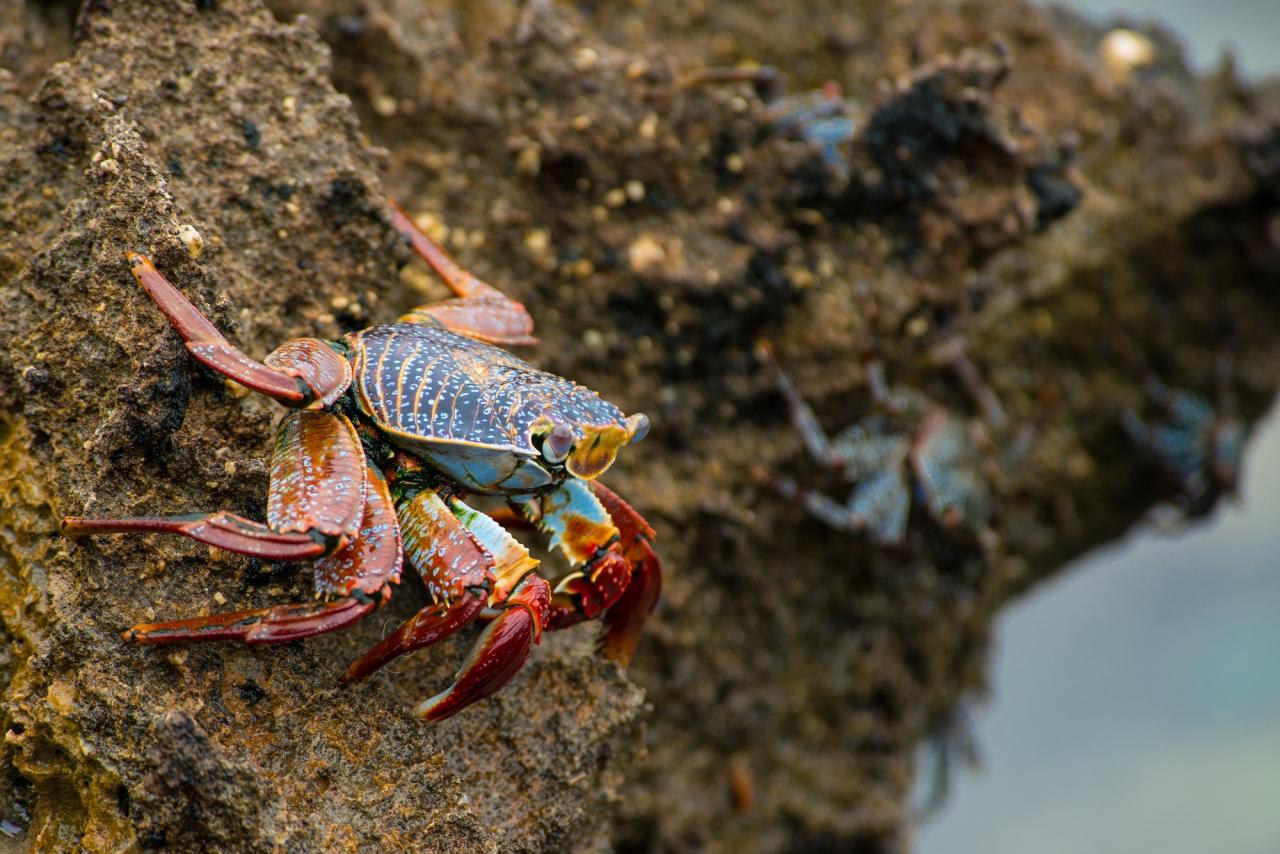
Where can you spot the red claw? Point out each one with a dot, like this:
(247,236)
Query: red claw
(499,653)
(626,617)
(422,629)
(586,596)
(631,525)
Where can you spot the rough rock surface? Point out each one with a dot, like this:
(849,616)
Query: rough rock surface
(1080,234)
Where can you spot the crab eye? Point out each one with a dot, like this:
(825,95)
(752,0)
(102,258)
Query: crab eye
(558,443)
(638,426)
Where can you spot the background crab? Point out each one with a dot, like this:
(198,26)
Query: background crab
(1199,448)
(910,447)
(822,117)
(388,429)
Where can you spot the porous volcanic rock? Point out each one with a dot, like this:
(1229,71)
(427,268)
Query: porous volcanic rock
(1077,233)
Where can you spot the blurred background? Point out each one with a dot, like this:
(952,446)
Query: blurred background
(1136,698)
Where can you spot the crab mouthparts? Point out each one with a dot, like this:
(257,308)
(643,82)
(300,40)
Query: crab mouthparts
(596,451)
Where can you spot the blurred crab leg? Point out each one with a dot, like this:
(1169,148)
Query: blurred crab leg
(299,373)
(581,528)
(481,311)
(278,624)
(820,506)
(815,438)
(770,81)
(458,573)
(626,617)
(498,654)
(315,505)
(953,354)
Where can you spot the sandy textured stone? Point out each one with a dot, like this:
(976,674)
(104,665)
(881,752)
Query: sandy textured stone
(1079,234)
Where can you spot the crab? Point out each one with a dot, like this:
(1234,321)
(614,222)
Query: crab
(909,449)
(1199,449)
(951,739)
(387,430)
(822,117)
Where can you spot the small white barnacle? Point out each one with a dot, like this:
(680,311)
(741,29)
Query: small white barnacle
(192,239)
(1124,50)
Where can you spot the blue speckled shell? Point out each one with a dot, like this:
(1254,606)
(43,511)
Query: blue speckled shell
(426,383)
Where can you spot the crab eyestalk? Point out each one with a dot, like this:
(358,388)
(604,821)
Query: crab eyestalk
(558,443)
(596,451)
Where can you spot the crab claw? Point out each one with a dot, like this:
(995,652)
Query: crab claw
(587,594)
(498,654)
(626,617)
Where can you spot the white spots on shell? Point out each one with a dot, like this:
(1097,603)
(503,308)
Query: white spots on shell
(429,382)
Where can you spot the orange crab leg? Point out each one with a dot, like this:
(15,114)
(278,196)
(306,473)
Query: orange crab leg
(277,624)
(361,572)
(315,505)
(303,372)
(371,562)
(481,311)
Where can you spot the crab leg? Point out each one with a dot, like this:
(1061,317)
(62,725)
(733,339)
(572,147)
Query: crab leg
(498,654)
(360,572)
(222,530)
(315,505)
(880,504)
(480,311)
(277,624)
(304,372)
(806,423)
(467,561)
(626,617)
(458,573)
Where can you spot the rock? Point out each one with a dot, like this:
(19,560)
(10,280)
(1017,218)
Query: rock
(1078,234)
(218,117)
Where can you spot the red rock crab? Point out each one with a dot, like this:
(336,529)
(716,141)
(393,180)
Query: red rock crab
(387,430)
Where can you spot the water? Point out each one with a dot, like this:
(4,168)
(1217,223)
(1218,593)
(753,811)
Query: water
(1136,699)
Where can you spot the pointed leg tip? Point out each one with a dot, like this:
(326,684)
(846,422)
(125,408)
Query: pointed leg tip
(498,654)
(619,651)
(438,708)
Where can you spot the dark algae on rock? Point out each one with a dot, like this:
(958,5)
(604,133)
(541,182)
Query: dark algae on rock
(1077,234)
